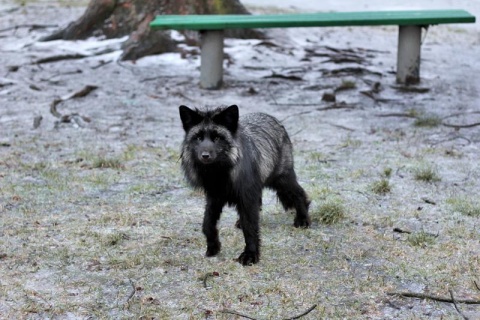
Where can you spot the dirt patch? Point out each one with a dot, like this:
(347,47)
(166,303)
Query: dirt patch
(97,221)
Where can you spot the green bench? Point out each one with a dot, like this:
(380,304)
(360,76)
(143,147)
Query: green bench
(409,41)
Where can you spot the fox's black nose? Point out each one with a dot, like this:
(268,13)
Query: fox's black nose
(205,155)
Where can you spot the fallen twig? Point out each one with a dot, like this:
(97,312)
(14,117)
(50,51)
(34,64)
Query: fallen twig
(248,317)
(81,93)
(77,94)
(451,139)
(455,305)
(237,314)
(429,201)
(476,285)
(406,115)
(398,230)
(432,297)
(460,126)
(351,70)
(132,293)
(205,279)
(61,57)
(303,314)
(460,114)
(282,76)
(53,108)
(101,64)
(340,127)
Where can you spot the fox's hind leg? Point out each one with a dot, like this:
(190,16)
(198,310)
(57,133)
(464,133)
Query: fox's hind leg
(212,215)
(292,196)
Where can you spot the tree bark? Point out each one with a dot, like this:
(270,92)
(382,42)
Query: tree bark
(118,18)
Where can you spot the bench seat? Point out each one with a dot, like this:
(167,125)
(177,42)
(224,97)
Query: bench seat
(410,24)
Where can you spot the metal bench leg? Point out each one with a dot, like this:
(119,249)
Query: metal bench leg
(408,58)
(211,64)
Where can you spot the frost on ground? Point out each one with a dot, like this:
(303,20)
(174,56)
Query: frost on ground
(97,221)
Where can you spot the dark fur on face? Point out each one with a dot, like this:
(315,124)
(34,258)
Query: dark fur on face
(232,159)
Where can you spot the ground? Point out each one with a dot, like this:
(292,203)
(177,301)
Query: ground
(98,222)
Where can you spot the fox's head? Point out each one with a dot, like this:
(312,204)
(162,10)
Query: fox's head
(210,135)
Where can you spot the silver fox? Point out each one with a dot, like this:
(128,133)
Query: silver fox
(232,159)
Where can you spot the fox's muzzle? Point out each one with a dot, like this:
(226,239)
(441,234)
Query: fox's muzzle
(206,152)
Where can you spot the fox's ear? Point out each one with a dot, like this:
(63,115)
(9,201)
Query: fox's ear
(228,118)
(190,118)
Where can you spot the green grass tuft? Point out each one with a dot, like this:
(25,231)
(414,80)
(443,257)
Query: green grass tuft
(421,239)
(346,85)
(426,173)
(429,121)
(330,212)
(102,162)
(387,172)
(381,187)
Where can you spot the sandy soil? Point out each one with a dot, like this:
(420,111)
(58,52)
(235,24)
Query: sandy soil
(97,222)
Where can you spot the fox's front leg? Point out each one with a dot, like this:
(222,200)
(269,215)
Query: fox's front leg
(212,215)
(249,221)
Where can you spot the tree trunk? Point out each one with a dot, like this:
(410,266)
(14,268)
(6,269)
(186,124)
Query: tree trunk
(117,18)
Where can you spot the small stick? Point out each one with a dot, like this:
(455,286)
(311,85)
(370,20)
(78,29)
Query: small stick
(290,318)
(237,314)
(303,314)
(398,230)
(432,297)
(132,293)
(456,307)
(205,279)
(385,115)
(459,126)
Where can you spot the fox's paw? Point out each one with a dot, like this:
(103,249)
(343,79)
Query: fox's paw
(247,258)
(213,249)
(302,222)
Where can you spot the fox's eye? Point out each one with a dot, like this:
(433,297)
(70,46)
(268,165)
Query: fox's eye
(199,137)
(217,138)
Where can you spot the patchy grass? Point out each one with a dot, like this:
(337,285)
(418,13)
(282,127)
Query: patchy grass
(350,143)
(426,173)
(465,206)
(329,212)
(381,186)
(387,172)
(106,162)
(421,239)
